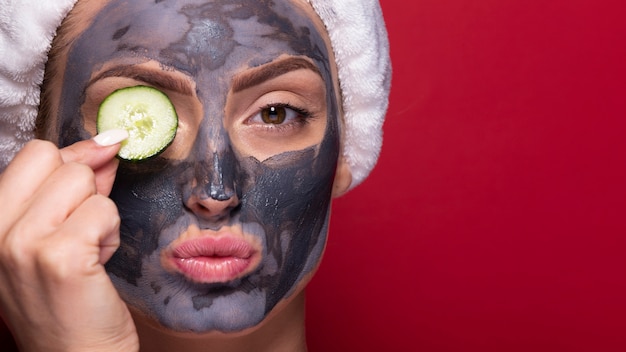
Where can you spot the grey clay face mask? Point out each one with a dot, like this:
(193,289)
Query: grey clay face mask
(278,205)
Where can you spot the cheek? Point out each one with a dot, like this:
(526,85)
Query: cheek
(148,201)
(291,199)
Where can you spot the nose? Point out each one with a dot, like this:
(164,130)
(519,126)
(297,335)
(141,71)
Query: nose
(213,196)
(210,209)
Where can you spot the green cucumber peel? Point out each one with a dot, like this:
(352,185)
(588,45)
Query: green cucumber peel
(146,113)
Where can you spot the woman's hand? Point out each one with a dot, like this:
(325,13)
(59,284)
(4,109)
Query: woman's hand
(57,229)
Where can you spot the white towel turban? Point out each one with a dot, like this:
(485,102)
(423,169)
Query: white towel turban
(358,37)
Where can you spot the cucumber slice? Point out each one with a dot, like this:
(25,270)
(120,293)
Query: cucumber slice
(146,114)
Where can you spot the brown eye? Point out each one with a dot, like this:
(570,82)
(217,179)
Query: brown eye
(277,115)
(274,115)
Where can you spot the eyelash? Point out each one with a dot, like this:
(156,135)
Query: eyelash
(303,117)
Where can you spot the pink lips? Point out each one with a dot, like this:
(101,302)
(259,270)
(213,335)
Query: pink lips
(211,259)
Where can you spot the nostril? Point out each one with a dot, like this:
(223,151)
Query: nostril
(209,208)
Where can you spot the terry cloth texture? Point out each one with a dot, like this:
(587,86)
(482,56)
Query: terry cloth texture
(26,31)
(358,37)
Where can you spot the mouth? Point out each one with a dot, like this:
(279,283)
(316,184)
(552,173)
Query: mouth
(213,259)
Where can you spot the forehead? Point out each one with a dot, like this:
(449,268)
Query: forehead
(189,33)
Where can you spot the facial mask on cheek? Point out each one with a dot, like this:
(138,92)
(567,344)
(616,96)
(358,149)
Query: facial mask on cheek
(291,197)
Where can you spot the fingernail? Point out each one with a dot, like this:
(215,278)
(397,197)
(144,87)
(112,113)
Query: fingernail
(110,137)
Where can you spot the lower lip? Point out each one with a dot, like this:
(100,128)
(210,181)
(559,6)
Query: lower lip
(214,260)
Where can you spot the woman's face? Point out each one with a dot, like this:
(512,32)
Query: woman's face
(231,219)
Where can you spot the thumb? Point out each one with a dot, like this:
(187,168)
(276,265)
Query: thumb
(99,154)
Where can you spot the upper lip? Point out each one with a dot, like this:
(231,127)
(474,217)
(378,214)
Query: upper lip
(209,246)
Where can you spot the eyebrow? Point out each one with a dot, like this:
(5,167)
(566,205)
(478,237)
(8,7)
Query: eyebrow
(157,79)
(271,70)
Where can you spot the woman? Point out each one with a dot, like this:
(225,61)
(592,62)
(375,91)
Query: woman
(220,233)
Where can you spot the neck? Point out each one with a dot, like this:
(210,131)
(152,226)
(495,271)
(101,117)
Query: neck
(280,331)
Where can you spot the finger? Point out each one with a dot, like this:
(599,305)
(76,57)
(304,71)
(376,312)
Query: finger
(23,177)
(98,153)
(105,176)
(95,152)
(63,192)
(91,234)
(100,213)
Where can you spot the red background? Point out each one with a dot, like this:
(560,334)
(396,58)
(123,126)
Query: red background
(495,219)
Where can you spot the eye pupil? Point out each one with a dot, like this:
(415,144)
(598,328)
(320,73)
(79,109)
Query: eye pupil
(274,115)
